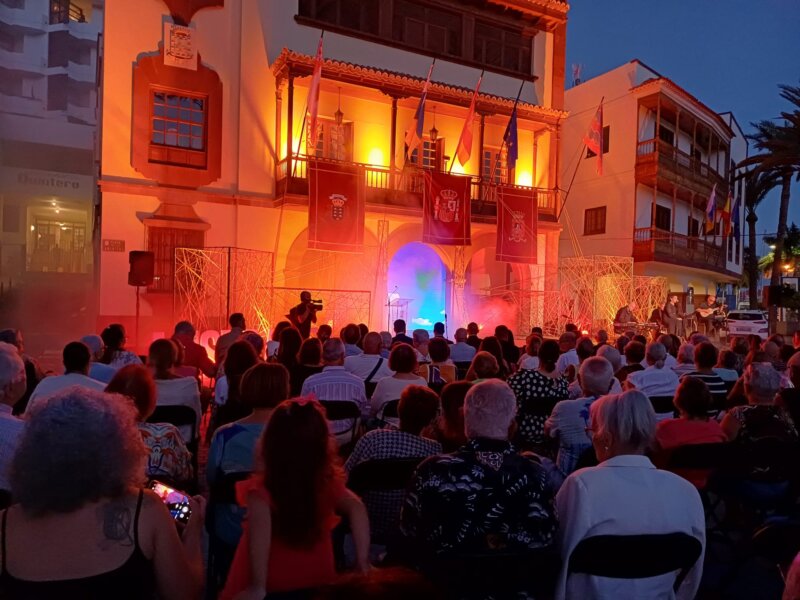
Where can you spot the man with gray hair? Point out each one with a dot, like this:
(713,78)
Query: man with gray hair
(97,370)
(420,339)
(670,361)
(569,420)
(485,495)
(685,360)
(461,351)
(12,388)
(335,383)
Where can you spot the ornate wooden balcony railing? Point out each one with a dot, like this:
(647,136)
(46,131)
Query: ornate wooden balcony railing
(665,246)
(403,188)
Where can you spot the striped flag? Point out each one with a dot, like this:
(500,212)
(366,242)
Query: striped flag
(414,132)
(594,137)
(313,98)
(510,138)
(711,211)
(464,149)
(725,215)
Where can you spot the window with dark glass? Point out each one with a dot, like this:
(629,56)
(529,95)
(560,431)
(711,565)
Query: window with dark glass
(162,242)
(594,220)
(10,218)
(432,154)
(494,45)
(663,218)
(178,128)
(666,135)
(606,139)
(494,166)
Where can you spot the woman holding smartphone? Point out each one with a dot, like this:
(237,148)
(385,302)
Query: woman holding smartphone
(81,526)
(292,508)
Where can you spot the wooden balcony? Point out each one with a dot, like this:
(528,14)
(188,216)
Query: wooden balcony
(666,168)
(402,190)
(676,248)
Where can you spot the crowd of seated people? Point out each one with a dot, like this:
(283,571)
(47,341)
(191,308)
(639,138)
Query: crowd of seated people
(532,452)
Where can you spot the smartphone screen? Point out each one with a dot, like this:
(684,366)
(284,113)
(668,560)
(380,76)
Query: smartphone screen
(177,502)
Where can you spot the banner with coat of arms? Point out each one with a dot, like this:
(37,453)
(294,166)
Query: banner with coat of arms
(335,207)
(446,209)
(517,221)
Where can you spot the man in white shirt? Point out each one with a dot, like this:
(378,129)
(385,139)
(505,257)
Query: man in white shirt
(570,418)
(569,356)
(461,351)
(97,370)
(685,360)
(12,388)
(335,383)
(351,335)
(369,364)
(657,379)
(76,358)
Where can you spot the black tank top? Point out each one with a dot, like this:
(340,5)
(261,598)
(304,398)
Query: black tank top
(133,580)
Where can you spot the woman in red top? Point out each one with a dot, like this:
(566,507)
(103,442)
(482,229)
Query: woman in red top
(693,401)
(292,508)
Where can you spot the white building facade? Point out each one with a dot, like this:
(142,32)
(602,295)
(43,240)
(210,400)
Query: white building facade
(664,153)
(48,125)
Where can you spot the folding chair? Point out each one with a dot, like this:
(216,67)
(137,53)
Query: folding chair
(636,556)
(389,410)
(663,405)
(343,410)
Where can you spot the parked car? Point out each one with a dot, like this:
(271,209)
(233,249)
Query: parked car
(747,322)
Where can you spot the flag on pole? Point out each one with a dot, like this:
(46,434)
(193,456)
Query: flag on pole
(725,215)
(594,137)
(510,139)
(414,132)
(313,98)
(464,149)
(711,211)
(735,218)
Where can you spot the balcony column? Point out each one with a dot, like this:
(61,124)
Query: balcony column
(657,136)
(694,146)
(480,154)
(673,231)
(551,261)
(393,142)
(677,125)
(289,125)
(278,113)
(534,178)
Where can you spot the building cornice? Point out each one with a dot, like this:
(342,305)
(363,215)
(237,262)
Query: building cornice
(403,85)
(662,83)
(553,11)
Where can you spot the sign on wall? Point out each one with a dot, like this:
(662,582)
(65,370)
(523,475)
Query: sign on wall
(180,47)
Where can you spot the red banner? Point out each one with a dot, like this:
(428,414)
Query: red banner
(446,209)
(517,221)
(335,207)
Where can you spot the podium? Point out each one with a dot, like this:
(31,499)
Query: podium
(398,309)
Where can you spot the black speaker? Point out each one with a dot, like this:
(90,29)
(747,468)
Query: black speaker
(142,268)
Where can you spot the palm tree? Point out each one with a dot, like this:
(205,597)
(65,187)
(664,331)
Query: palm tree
(756,187)
(791,251)
(779,154)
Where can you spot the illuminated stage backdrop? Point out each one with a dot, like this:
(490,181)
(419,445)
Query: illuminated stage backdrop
(211,283)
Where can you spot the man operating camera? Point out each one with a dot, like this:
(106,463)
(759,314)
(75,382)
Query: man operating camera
(304,314)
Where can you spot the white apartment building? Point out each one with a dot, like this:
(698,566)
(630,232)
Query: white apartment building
(664,152)
(48,99)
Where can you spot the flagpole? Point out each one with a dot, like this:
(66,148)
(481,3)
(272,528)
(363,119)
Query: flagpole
(427,81)
(475,97)
(575,172)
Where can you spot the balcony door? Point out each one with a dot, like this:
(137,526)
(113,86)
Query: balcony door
(334,142)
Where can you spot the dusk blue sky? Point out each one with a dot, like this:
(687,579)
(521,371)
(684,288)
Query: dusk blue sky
(731,54)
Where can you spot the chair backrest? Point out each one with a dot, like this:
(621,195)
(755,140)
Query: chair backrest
(369,387)
(701,456)
(340,410)
(223,491)
(462,366)
(382,475)
(662,404)
(636,556)
(389,410)
(538,407)
(179,415)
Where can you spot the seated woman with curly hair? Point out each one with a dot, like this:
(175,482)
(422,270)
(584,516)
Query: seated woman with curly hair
(81,526)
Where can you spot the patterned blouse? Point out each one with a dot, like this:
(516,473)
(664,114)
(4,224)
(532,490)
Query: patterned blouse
(484,496)
(168,458)
(530,386)
(761,421)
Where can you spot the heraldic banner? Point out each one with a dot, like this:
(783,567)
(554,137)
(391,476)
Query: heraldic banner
(335,207)
(446,209)
(517,220)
